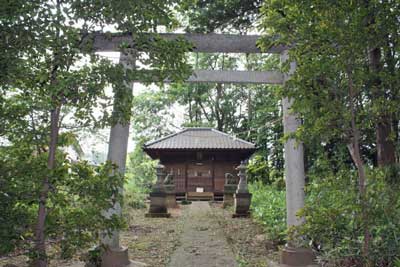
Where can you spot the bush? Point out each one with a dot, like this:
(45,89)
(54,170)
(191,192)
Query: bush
(269,209)
(79,194)
(77,207)
(135,194)
(334,223)
(141,175)
(259,169)
(18,197)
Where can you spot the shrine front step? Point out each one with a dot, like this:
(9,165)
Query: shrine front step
(200,196)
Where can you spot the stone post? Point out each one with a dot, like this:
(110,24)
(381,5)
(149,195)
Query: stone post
(292,255)
(170,191)
(158,196)
(242,196)
(229,190)
(114,255)
(159,185)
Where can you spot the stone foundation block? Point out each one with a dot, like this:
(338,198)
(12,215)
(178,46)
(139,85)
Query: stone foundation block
(229,191)
(297,257)
(171,201)
(115,257)
(242,205)
(228,200)
(158,205)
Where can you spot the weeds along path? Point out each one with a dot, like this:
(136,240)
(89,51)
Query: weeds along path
(152,240)
(202,243)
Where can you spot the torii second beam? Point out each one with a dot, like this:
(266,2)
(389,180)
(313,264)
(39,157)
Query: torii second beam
(233,76)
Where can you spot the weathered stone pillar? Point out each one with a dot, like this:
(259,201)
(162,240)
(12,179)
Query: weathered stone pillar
(115,255)
(171,196)
(229,190)
(294,177)
(242,196)
(170,191)
(158,196)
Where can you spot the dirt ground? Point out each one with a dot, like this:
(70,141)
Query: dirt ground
(202,242)
(153,240)
(246,238)
(197,235)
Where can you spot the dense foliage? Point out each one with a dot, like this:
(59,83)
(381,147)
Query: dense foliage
(52,83)
(140,176)
(78,192)
(335,227)
(346,90)
(269,209)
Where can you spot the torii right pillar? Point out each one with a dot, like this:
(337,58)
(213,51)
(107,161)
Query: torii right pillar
(292,254)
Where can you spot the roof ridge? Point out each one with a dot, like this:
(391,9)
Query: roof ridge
(190,140)
(198,128)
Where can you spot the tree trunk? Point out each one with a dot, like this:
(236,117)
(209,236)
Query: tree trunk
(386,153)
(249,113)
(190,111)
(40,245)
(218,110)
(354,149)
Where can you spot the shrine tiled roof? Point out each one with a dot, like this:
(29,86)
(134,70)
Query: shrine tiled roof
(199,138)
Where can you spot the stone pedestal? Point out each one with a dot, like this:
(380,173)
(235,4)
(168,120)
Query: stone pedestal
(229,191)
(171,196)
(158,205)
(115,257)
(297,257)
(118,257)
(242,205)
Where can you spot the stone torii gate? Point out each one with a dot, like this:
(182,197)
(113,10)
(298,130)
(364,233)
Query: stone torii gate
(293,150)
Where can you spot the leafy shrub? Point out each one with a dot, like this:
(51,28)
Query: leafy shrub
(79,194)
(77,207)
(135,194)
(19,182)
(141,175)
(268,206)
(92,258)
(259,169)
(334,222)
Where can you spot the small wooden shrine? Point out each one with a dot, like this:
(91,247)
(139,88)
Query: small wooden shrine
(199,160)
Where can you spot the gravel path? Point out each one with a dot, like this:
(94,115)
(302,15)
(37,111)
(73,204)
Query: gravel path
(202,242)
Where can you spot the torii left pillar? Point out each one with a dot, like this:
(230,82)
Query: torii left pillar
(115,255)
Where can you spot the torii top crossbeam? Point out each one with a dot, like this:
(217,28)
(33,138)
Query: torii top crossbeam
(206,43)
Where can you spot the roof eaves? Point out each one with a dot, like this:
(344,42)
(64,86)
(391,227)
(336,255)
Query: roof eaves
(203,148)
